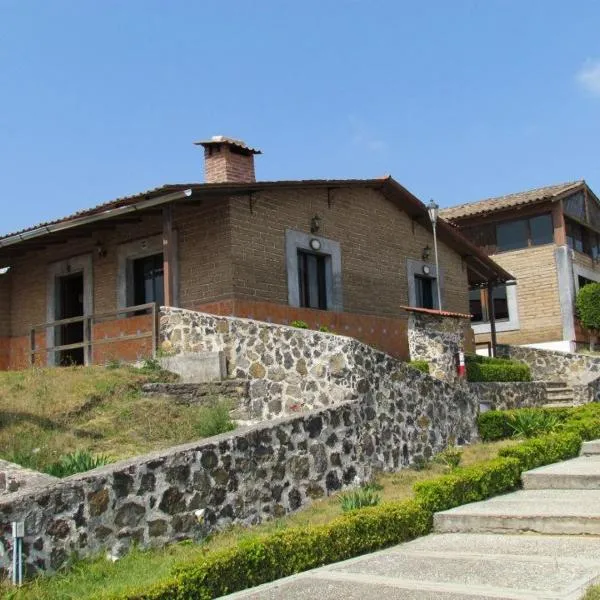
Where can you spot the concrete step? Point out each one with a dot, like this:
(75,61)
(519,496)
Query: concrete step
(562,404)
(590,448)
(554,511)
(452,567)
(577,474)
(559,394)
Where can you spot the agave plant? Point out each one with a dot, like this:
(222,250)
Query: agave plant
(364,496)
(76,462)
(528,423)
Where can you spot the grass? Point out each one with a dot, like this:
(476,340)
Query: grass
(101,579)
(593,593)
(48,414)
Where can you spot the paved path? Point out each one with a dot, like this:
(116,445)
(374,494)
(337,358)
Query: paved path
(492,549)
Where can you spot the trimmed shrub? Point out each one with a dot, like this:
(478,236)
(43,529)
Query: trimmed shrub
(583,420)
(284,553)
(421,365)
(469,484)
(488,368)
(545,450)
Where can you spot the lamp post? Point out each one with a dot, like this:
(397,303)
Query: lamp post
(433,209)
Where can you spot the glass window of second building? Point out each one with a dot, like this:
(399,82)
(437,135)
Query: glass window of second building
(478,305)
(522,233)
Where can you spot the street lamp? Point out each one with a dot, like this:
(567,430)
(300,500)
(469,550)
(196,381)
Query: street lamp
(433,209)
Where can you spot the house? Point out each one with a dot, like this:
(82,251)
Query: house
(549,238)
(341,254)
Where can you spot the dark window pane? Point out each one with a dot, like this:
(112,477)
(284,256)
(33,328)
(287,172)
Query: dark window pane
(475,306)
(148,280)
(311,280)
(575,205)
(575,236)
(594,212)
(583,281)
(512,235)
(542,230)
(424,291)
(500,304)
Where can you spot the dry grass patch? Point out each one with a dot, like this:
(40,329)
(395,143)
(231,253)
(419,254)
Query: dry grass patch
(47,413)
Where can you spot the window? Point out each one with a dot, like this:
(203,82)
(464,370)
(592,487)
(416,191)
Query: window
(583,281)
(148,281)
(523,233)
(512,236)
(311,280)
(478,305)
(424,291)
(575,236)
(542,230)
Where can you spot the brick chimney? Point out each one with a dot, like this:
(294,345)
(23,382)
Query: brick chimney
(227,160)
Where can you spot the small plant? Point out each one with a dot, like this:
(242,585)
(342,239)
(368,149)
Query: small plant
(76,462)
(528,423)
(151,365)
(449,458)
(113,363)
(363,496)
(299,324)
(325,329)
(421,365)
(420,463)
(215,420)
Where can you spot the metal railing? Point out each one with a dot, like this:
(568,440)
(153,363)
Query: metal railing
(89,343)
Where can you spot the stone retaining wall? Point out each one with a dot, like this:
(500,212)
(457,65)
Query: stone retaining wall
(244,476)
(548,365)
(200,393)
(14,477)
(509,395)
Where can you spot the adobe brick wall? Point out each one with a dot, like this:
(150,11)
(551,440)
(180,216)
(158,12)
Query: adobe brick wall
(376,237)
(233,249)
(383,333)
(537,296)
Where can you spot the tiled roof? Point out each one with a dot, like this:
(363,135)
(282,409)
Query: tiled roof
(435,311)
(489,205)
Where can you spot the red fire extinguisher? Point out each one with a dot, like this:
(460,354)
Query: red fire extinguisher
(462,369)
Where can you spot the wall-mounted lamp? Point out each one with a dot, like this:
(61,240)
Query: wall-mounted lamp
(100,250)
(315,224)
(426,253)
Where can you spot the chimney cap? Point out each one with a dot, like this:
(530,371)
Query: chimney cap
(217,140)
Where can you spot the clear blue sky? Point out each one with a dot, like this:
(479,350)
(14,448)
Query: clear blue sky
(458,100)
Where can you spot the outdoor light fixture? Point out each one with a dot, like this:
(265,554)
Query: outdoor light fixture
(426,253)
(433,209)
(100,250)
(315,224)
(315,244)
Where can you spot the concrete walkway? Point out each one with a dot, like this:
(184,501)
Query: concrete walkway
(491,549)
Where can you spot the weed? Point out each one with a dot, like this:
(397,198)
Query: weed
(113,363)
(450,457)
(299,324)
(214,420)
(420,463)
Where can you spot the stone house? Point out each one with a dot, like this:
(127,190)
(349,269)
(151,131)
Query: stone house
(549,238)
(345,254)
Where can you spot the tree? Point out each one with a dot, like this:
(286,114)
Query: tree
(588,308)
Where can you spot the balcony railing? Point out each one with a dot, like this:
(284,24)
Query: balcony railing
(88,344)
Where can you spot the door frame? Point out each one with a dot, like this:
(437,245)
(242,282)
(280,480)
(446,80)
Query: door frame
(70,266)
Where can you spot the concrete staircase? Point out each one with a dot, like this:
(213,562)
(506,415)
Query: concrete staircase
(466,559)
(559,394)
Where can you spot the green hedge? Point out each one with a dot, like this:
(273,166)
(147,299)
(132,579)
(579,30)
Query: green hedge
(469,484)
(583,421)
(485,368)
(270,557)
(284,553)
(421,365)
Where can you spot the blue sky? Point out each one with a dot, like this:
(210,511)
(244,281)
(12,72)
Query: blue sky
(458,100)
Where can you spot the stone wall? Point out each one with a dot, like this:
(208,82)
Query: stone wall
(587,392)
(437,339)
(244,476)
(509,395)
(547,365)
(14,477)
